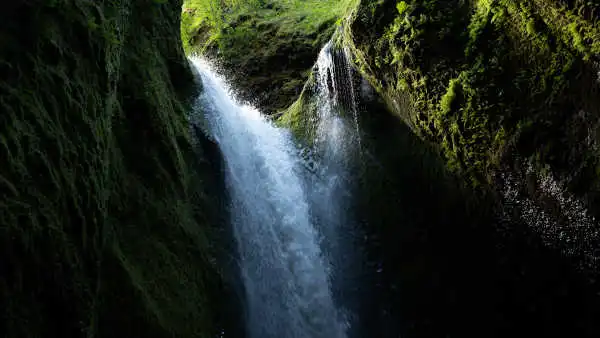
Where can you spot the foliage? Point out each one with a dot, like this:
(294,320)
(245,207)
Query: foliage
(293,16)
(265,47)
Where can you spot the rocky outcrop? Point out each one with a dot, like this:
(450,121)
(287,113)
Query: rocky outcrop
(104,214)
(508,93)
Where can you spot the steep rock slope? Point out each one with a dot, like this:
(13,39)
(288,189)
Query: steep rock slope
(508,91)
(105,207)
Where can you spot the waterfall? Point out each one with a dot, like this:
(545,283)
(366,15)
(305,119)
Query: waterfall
(336,97)
(285,275)
(338,148)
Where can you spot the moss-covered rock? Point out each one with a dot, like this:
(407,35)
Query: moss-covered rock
(105,208)
(481,76)
(508,93)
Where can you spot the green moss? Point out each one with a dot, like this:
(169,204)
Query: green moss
(450,97)
(401,7)
(103,221)
(479,21)
(474,71)
(294,117)
(301,116)
(577,38)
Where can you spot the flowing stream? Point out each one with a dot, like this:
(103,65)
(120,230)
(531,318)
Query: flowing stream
(291,225)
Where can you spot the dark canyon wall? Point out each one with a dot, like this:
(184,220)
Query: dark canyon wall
(105,210)
(509,94)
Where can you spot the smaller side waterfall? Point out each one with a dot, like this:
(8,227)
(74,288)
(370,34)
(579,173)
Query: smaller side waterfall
(337,146)
(352,90)
(336,99)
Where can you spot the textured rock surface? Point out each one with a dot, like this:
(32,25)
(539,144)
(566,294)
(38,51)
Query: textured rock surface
(509,94)
(104,210)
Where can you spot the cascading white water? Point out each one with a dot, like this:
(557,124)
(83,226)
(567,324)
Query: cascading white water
(354,103)
(336,92)
(337,145)
(285,276)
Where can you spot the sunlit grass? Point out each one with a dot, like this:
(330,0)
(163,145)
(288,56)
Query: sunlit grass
(289,16)
(265,47)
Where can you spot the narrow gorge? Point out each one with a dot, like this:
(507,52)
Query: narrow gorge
(300,168)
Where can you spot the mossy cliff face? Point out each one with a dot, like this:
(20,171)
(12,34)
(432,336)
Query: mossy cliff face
(509,93)
(105,210)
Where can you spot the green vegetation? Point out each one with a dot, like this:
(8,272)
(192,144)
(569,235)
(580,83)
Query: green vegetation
(487,79)
(224,20)
(301,116)
(104,215)
(265,47)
